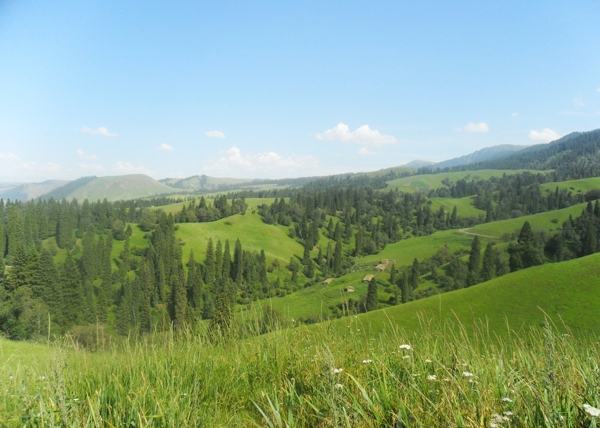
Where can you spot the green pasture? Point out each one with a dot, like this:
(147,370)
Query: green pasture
(568,292)
(426,182)
(551,220)
(576,186)
(464,206)
(253,233)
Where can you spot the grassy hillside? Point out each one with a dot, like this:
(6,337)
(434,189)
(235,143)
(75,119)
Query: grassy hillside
(427,182)
(569,291)
(112,188)
(550,221)
(250,229)
(576,186)
(464,206)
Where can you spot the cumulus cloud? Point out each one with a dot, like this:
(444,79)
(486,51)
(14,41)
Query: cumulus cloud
(215,134)
(102,131)
(545,135)
(476,127)
(165,147)
(82,155)
(363,135)
(129,168)
(8,156)
(234,160)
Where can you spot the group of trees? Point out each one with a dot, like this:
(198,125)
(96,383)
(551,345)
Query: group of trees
(203,212)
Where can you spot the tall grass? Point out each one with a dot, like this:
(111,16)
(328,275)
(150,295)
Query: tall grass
(315,377)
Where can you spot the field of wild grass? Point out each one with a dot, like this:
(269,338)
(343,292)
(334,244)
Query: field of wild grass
(319,377)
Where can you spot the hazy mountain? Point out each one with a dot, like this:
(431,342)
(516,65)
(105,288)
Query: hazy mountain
(488,153)
(28,191)
(112,188)
(418,163)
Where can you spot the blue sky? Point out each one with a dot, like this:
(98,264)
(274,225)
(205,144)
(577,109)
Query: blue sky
(284,89)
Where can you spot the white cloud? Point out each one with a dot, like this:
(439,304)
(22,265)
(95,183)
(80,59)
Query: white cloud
(165,147)
(363,135)
(234,160)
(364,151)
(100,131)
(515,114)
(82,155)
(215,134)
(129,168)
(91,167)
(545,135)
(8,156)
(578,102)
(34,166)
(477,127)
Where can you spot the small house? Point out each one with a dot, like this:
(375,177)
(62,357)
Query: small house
(328,281)
(384,261)
(380,267)
(349,289)
(368,278)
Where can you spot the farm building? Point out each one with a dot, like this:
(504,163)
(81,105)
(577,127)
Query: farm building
(380,267)
(349,289)
(328,281)
(368,278)
(384,261)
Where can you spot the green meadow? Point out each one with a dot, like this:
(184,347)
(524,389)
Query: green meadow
(464,206)
(576,186)
(426,182)
(551,220)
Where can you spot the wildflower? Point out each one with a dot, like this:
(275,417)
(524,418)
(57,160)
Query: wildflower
(405,346)
(184,394)
(432,377)
(406,357)
(339,386)
(428,360)
(11,377)
(76,399)
(467,374)
(592,411)
(446,379)
(416,374)
(506,400)
(507,413)
(337,371)
(367,361)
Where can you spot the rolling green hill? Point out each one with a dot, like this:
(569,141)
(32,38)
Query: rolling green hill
(567,291)
(426,182)
(577,186)
(114,188)
(550,221)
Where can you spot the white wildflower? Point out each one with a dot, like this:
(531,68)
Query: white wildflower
(337,371)
(592,411)
(416,374)
(339,386)
(507,413)
(405,346)
(432,377)
(446,379)
(406,357)
(428,360)
(467,374)
(367,361)
(506,400)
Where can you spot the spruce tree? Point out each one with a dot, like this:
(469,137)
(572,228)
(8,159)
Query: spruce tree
(488,270)
(474,265)
(73,301)
(372,301)
(337,256)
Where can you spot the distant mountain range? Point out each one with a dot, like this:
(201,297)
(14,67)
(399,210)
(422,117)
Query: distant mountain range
(575,150)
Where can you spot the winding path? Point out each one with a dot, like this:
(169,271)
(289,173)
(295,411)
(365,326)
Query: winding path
(464,232)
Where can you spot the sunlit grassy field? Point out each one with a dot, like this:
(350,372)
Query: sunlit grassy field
(427,182)
(464,206)
(576,186)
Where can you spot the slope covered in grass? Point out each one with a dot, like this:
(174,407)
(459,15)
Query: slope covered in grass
(576,186)
(112,188)
(253,233)
(567,291)
(550,221)
(464,206)
(427,182)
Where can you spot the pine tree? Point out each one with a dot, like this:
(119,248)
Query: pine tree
(474,265)
(405,287)
(415,274)
(209,263)
(222,319)
(372,301)
(337,256)
(178,297)
(226,260)
(73,301)
(238,263)
(488,270)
